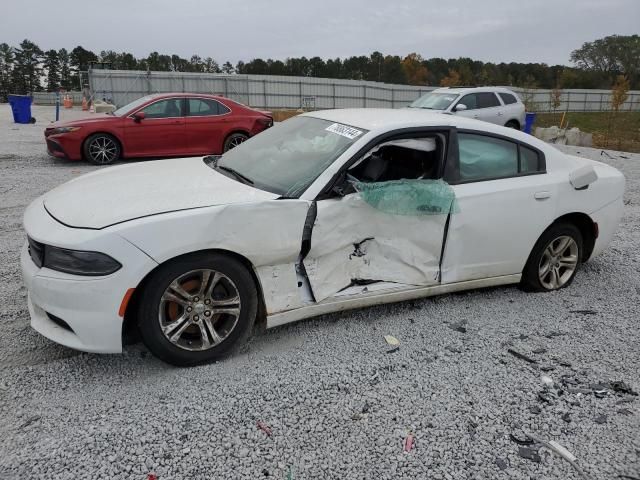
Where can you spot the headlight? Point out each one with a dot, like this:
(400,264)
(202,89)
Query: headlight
(79,263)
(64,130)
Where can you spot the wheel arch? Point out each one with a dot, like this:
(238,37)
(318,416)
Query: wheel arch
(130,326)
(235,130)
(103,132)
(514,120)
(588,228)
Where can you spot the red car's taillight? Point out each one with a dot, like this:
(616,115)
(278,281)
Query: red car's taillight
(266,122)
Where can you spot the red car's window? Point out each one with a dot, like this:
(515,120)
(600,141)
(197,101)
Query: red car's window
(200,107)
(171,107)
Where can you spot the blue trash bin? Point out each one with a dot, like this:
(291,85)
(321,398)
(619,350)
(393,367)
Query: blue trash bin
(21,107)
(530,117)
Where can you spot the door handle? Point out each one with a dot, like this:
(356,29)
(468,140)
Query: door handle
(475,116)
(542,195)
(500,114)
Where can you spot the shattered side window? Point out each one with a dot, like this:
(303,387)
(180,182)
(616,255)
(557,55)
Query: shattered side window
(409,197)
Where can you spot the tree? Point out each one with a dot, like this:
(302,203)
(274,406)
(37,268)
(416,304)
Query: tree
(392,71)
(613,55)
(65,69)
(619,95)
(6,67)
(414,69)
(81,58)
(451,80)
(227,68)
(211,66)
(555,99)
(27,71)
(52,66)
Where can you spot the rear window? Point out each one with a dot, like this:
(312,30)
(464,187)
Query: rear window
(507,98)
(487,100)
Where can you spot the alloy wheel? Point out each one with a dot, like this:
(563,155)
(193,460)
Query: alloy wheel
(558,263)
(235,141)
(199,310)
(103,150)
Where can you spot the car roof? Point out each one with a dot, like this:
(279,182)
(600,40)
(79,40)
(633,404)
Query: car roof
(374,119)
(459,90)
(156,96)
(382,120)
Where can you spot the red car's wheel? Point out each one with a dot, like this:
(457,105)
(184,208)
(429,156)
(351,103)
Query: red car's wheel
(101,149)
(234,140)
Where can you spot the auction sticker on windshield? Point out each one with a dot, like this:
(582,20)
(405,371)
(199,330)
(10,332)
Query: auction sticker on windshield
(344,130)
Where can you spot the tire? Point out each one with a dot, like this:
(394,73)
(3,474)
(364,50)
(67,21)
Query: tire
(512,124)
(554,260)
(177,311)
(101,149)
(233,141)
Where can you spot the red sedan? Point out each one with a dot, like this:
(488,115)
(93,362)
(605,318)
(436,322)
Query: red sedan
(163,125)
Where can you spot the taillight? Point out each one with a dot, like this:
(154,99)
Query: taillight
(266,122)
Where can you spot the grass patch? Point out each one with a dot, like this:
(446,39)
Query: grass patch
(624,134)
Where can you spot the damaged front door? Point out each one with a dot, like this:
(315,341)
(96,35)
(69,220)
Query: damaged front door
(390,230)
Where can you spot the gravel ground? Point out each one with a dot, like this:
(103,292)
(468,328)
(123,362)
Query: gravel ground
(338,401)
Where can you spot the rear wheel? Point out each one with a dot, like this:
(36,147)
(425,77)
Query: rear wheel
(554,259)
(101,149)
(197,309)
(234,140)
(512,124)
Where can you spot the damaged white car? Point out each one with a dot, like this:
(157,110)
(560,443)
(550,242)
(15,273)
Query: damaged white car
(327,211)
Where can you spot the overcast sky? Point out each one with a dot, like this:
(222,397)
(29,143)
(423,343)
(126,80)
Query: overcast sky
(489,30)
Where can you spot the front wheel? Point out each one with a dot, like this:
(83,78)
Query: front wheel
(197,308)
(234,140)
(101,149)
(554,260)
(512,124)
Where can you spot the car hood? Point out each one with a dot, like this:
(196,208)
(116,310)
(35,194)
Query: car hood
(85,121)
(117,194)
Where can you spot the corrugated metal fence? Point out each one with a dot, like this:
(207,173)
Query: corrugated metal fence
(48,98)
(276,92)
(262,91)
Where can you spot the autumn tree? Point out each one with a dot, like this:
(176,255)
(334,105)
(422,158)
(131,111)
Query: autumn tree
(451,80)
(414,69)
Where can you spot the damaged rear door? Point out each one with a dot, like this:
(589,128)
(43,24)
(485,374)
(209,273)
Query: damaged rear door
(391,229)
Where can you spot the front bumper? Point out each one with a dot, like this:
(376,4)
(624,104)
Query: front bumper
(75,311)
(67,145)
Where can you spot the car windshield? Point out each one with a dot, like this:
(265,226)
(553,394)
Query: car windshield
(122,111)
(288,157)
(434,101)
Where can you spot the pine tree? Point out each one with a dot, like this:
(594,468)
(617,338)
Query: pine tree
(6,66)
(52,66)
(65,69)
(27,70)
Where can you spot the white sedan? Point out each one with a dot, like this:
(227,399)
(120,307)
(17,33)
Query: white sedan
(325,212)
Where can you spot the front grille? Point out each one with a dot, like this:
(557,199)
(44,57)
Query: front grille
(36,251)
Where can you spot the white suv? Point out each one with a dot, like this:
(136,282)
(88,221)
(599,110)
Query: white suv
(491,104)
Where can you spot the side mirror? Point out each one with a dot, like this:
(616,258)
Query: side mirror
(461,107)
(138,117)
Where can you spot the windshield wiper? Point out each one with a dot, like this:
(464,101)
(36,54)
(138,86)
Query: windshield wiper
(236,173)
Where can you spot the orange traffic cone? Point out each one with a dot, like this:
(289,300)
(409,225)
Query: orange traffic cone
(67,102)
(85,105)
